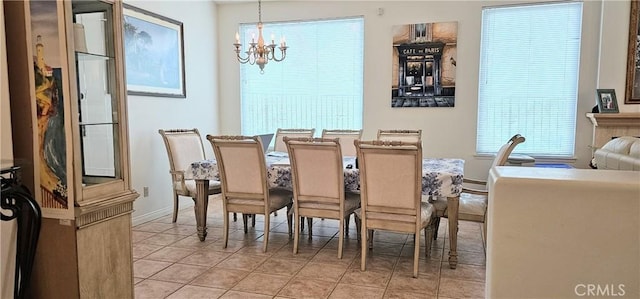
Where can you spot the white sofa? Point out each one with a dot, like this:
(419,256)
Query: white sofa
(622,153)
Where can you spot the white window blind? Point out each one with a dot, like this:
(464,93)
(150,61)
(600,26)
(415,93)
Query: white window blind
(319,84)
(529,61)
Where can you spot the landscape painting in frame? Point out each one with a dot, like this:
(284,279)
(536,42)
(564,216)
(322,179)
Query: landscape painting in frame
(153,49)
(48,61)
(424,65)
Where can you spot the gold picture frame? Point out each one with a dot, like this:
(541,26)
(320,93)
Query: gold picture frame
(632,89)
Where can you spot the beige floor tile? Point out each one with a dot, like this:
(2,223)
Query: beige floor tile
(307,288)
(466,245)
(170,254)
(463,272)
(407,251)
(321,271)
(402,294)
(243,295)
(142,250)
(162,239)
(454,288)
(146,268)
(257,247)
(205,257)
(181,229)
(356,292)
(154,227)
(196,292)
(180,273)
(136,280)
(262,283)
(390,237)
(281,266)
(383,248)
(472,258)
(138,236)
(277,238)
(219,278)
(406,282)
(330,256)
(304,252)
(194,242)
(365,278)
(376,263)
(154,289)
(232,245)
(245,262)
(430,268)
(349,245)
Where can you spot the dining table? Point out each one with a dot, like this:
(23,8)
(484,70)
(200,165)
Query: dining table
(440,177)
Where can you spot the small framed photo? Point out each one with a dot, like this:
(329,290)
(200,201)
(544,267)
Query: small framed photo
(607,102)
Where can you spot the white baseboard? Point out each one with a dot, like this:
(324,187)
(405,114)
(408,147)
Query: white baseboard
(158,213)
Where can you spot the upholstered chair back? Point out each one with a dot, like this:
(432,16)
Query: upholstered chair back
(279,145)
(390,177)
(242,166)
(346,139)
(183,147)
(317,171)
(400,135)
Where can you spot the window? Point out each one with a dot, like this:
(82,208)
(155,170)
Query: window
(529,61)
(319,84)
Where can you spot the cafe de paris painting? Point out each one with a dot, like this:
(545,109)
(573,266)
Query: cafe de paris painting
(424,65)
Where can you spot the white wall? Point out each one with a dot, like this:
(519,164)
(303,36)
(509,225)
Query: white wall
(149,162)
(448,132)
(7,228)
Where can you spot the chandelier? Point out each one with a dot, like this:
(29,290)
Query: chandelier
(260,53)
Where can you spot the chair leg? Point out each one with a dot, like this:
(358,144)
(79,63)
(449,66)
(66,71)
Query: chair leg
(244,221)
(416,253)
(175,207)
(363,245)
(302,223)
(436,226)
(370,239)
(309,223)
(340,238)
(296,234)
(235,217)
(267,221)
(484,233)
(225,234)
(289,219)
(428,236)
(253,220)
(346,225)
(358,227)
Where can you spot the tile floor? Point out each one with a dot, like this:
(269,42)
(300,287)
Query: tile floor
(170,262)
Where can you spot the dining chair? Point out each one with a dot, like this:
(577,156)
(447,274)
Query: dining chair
(243,175)
(391,193)
(400,135)
(279,145)
(318,184)
(346,138)
(184,146)
(474,202)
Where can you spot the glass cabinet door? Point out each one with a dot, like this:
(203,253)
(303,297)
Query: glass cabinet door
(96,91)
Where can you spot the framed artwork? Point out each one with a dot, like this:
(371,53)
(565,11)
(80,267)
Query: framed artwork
(424,65)
(607,102)
(154,54)
(632,92)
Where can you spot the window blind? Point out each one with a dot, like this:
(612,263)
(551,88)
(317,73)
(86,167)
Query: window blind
(319,84)
(529,62)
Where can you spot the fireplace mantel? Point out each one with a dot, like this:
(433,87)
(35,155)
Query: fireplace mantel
(610,125)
